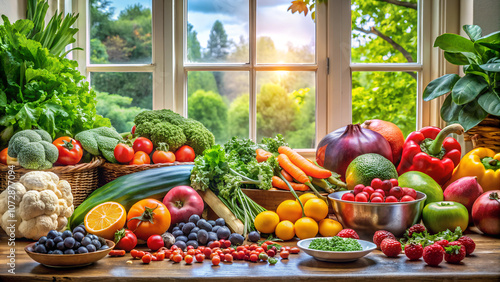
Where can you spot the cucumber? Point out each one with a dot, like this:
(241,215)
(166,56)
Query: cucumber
(131,188)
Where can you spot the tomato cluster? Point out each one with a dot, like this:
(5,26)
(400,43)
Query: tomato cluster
(139,153)
(381,191)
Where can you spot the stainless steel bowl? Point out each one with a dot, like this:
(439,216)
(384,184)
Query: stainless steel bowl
(366,218)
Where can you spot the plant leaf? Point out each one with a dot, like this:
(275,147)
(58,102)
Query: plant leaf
(467,88)
(456,58)
(473,31)
(490,102)
(454,43)
(494,67)
(450,110)
(476,70)
(492,38)
(471,114)
(440,86)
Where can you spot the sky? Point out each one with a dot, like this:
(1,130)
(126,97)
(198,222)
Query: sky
(273,20)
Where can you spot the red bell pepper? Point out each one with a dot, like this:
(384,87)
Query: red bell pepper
(431,152)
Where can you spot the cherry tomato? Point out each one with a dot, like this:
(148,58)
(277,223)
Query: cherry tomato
(254,258)
(188,259)
(143,144)
(191,252)
(162,155)
(227,243)
(125,239)
(123,153)
(137,254)
(147,258)
(207,252)
(241,255)
(294,250)
(3,156)
(284,254)
(264,246)
(240,248)
(228,258)
(189,247)
(116,253)
(133,129)
(177,258)
(199,257)
(253,247)
(216,260)
(270,242)
(160,256)
(155,242)
(148,217)
(215,244)
(70,150)
(140,158)
(185,154)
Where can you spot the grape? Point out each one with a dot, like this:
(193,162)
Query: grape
(77,245)
(194,218)
(49,244)
(91,248)
(220,221)
(61,246)
(86,241)
(82,250)
(41,249)
(57,252)
(50,252)
(58,239)
(52,234)
(69,242)
(104,247)
(78,236)
(42,240)
(211,222)
(69,252)
(96,243)
(79,229)
(67,233)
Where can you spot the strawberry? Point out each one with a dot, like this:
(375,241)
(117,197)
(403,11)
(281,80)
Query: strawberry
(348,233)
(380,235)
(390,247)
(433,254)
(454,252)
(468,243)
(417,228)
(443,243)
(414,251)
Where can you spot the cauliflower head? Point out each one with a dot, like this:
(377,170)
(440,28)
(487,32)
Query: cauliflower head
(42,202)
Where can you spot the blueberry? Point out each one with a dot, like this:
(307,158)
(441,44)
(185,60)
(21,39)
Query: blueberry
(96,243)
(52,234)
(78,236)
(41,249)
(253,236)
(42,240)
(77,245)
(193,243)
(215,228)
(86,241)
(181,238)
(194,218)
(57,252)
(58,239)
(50,252)
(79,229)
(236,239)
(176,228)
(49,244)
(203,224)
(69,252)
(188,227)
(202,236)
(82,250)
(104,247)
(220,221)
(193,236)
(67,233)
(61,246)
(181,225)
(177,233)
(91,248)
(181,245)
(211,222)
(69,242)
(195,230)
(212,236)
(223,233)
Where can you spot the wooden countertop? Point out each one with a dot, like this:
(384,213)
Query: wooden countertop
(482,265)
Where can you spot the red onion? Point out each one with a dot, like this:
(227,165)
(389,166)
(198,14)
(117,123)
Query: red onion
(337,149)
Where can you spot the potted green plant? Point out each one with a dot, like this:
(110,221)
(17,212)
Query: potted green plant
(474,101)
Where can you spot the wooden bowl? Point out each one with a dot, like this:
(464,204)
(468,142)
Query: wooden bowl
(65,261)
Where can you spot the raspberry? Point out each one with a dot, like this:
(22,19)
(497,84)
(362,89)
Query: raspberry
(468,243)
(417,228)
(433,255)
(348,233)
(443,243)
(414,251)
(380,235)
(454,252)
(390,247)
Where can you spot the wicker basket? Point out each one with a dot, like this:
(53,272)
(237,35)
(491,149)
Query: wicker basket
(485,134)
(110,172)
(83,178)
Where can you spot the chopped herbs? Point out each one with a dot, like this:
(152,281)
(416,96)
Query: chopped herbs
(336,244)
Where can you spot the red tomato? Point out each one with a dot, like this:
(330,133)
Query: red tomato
(123,153)
(177,258)
(133,129)
(188,259)
(148,217)
(185,154)
(70,150)
(191,252)
(216,260)
(143,144)
(140,158)
(125,240)
(294,250)
(147,258)
(116,253)
(284,254)
(207,252)
(199,257)
(155,242)
(160,256)
(3,156)
(254,258)
(228,258)
(163,157)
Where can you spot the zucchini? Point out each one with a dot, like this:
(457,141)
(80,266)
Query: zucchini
(131,188)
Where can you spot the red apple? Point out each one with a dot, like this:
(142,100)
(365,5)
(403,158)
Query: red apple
(465,191)
(486,212)
(182,202)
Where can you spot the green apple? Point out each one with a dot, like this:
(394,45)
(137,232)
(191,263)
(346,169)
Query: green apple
(439,216)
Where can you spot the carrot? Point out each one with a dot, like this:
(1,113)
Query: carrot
(305,165)
(262,155)
(292,169)
(287,176)
(280,184)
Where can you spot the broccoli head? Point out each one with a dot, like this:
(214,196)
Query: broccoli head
(157,116)
(198,136)
(165,132)
(33,149)
(100,141)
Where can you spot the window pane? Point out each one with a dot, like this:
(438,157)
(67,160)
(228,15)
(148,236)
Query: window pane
(389,96)
(120,32)
(384,32)
(286,104)
(220,101)
(122,95)
(217,31)
(283,37)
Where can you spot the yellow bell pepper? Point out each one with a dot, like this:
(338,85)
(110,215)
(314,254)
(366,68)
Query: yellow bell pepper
(483,163)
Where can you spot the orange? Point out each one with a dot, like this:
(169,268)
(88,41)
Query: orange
(105,219)
(285,230)
(306,227)
(265,222)
(289,210)
(316,209)
(329,227)
(391,133)
(306,197)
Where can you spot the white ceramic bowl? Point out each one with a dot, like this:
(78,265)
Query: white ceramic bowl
(336,256)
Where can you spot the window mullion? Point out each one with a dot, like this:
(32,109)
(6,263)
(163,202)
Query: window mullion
(253,74)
